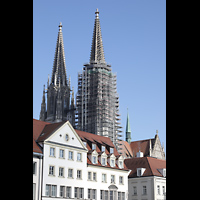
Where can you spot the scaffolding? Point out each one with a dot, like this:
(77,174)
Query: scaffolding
(97,102)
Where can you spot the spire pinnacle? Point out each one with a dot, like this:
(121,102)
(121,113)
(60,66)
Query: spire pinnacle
(60,27)
(97,52)
(128,129)
(97,14)
(59,67)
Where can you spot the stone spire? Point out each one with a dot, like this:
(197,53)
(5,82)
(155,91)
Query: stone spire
(128,129)
(59,67)
(97,52)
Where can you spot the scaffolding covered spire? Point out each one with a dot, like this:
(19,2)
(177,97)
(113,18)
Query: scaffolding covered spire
(97,52)
(59,67)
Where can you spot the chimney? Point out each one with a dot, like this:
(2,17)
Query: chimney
(140,154)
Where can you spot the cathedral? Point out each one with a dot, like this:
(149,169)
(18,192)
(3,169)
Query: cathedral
(97,101)
(60,98)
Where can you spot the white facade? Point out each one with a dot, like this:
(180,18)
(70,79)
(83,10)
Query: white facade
(37,175)
(67,175)
(147,188)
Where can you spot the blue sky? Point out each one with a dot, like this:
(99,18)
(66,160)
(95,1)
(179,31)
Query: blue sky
(134,40)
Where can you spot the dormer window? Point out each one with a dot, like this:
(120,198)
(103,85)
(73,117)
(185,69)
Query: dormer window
(103,148)
(94,159)
(162,171)
(103,159)
(112,163)
(93,146)
(111,150)
(120,164)
(140,171)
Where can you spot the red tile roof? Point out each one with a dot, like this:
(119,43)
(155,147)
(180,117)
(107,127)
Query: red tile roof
(42,130)
(151,164)
(37,128)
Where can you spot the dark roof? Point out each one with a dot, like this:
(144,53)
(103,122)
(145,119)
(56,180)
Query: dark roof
(48,130)
(151,164)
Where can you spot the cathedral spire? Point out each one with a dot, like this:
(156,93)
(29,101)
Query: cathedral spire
(97,52)
(128,129)
(59,67)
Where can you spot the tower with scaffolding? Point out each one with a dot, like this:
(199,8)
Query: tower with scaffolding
(97,101)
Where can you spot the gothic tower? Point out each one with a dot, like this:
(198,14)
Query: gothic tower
(97,100)
(59,108)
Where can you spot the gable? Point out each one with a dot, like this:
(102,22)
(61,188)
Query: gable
(65,135)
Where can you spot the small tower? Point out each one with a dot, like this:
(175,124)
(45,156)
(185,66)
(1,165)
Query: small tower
(128,129)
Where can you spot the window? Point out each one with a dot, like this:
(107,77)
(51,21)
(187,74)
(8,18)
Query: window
(144,189)
(112,178)
(94,159)
(123,195)
(79,157)
(51,170)
(62,191)
(112,164)
(61,171)
(111,195)
(89,176)
(70,155)
(104,161)
(48,190)
(76,192)
(66,137)
(163,187)
(120,164)
(61,154)
(104,178)
(34,167)
(85,143)
(79,174)
(53,190)
(139,172)
(134,190)
(52,151)
(93,146)
(94,176)
(70,173)
(68,193)
(119,195)
(158,189)
(89,191)
(106,195)
(111,150)
(93,194)
(103,148)
(121,180)
(81,193)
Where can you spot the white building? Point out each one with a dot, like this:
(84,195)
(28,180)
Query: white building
(80,165)
(147,180)
(37,159)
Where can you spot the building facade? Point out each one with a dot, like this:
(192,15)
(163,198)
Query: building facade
(97,100)
(60,98)
(80,165)
(147,179)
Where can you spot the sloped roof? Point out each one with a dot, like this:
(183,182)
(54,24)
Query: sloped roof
(48,130)
(126,150)
(151,164)
(142,145)
(38,126)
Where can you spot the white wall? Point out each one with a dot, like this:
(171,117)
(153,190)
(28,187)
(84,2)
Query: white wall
(37,177)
